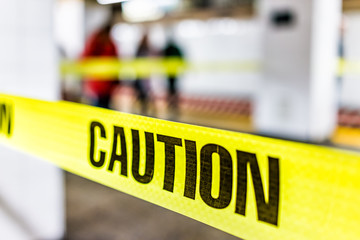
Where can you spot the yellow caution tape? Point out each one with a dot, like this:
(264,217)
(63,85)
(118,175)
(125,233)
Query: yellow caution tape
(105,68)
(348,67)
(250,186)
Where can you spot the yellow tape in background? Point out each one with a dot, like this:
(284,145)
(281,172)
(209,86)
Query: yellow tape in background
(107,68)
(250,186)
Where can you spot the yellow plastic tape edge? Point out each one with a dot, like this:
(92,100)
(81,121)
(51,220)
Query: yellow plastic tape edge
(249,186)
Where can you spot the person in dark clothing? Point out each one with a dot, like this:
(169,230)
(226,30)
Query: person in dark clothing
(140,84)
(173,53)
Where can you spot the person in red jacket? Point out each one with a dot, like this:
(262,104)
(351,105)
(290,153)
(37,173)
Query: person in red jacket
(98,91)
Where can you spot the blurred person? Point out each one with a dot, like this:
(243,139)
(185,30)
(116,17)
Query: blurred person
(173,52)
(71,87)
(341,56)
(141,85)
(100,44)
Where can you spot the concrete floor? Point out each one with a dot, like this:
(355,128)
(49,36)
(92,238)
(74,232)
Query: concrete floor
(95,212)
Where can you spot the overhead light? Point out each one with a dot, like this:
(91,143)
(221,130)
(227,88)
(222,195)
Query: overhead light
(103,2)
(141,10)
(147,10)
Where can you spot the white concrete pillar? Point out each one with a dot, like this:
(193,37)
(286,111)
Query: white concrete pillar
(350,97)
(297,95)
(31,190)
